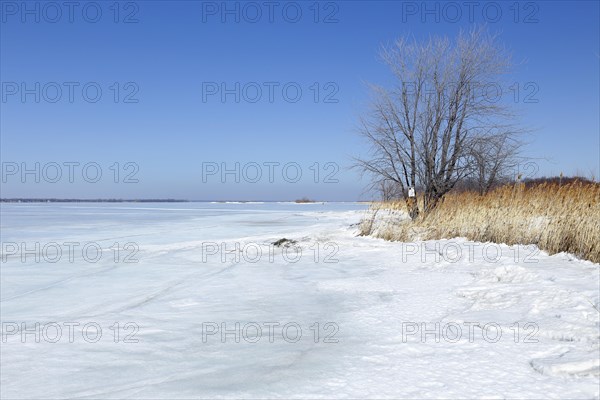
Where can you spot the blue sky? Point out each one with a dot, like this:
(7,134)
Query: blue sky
(170,52)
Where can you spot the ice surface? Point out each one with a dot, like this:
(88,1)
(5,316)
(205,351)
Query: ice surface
(371,292)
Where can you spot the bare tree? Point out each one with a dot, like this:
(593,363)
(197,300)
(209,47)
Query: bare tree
(493,158)
(389,190)
(424,129)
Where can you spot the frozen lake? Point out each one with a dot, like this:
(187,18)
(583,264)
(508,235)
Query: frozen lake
(193,300)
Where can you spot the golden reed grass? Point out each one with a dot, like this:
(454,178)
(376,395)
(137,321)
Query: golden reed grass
(554,217)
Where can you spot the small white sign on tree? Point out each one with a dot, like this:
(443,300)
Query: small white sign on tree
(411,192)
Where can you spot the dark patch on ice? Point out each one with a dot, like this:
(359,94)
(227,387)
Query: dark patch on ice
(284,242)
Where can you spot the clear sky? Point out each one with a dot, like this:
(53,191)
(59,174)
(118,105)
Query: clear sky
(169,104)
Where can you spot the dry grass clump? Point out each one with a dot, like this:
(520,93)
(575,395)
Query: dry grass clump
(554,217)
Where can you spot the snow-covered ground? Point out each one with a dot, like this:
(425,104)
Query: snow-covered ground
(347,317)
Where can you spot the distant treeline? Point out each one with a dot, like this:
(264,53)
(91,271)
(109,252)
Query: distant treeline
(20,200)
(557,180)
(470,185)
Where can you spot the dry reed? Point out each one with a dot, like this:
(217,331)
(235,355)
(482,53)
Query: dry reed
(554,217)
